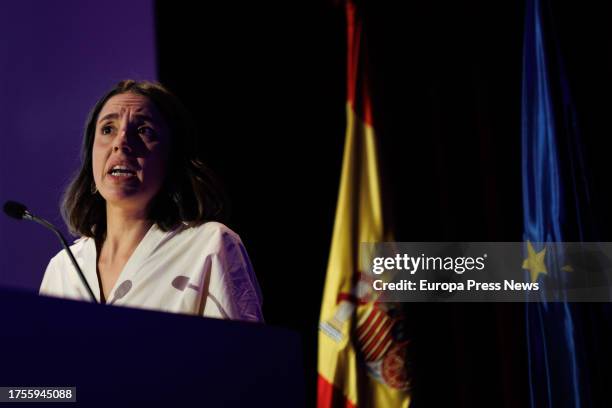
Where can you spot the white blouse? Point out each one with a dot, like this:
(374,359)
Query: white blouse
(203,270)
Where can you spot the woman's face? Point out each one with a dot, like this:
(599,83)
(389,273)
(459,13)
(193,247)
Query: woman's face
(130,151)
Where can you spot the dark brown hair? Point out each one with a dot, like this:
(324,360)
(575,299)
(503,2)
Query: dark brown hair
(189,193)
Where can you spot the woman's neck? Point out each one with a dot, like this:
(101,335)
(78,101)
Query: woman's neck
(124,231)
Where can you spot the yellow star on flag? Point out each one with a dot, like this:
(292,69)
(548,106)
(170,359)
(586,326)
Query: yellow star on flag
(535,262)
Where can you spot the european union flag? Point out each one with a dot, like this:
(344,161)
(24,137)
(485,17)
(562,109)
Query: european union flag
(555,199)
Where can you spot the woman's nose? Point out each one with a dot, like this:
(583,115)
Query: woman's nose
(122,141)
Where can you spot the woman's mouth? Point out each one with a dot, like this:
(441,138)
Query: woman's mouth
(121,172)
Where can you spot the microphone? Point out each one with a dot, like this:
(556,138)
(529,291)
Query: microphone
(15,210)
(20,212)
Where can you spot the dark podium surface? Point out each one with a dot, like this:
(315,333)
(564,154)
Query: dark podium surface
(117,356)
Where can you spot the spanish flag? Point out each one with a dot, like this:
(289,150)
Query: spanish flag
(362,355)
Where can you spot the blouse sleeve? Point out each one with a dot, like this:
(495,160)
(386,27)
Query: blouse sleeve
(233,291)
(51,284)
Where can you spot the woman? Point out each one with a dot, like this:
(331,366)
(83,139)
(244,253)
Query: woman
(143,203)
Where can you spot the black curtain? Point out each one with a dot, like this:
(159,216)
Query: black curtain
(266,84)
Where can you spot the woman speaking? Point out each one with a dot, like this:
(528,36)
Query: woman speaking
(143,204)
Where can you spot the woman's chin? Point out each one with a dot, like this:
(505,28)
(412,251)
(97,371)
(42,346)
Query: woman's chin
(124,197)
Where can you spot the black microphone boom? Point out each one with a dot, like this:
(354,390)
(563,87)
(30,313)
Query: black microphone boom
(19,211)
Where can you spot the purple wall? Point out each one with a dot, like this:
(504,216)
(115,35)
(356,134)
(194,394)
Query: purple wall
(56,59)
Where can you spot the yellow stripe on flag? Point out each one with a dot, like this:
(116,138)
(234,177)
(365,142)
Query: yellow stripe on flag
(349,306)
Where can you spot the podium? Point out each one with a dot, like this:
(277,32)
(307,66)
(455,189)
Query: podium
(117,356)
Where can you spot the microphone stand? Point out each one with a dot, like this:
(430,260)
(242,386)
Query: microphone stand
(29,216)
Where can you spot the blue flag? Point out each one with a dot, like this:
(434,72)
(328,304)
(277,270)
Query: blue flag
(555,198)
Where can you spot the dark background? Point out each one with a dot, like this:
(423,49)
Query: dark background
(266,84)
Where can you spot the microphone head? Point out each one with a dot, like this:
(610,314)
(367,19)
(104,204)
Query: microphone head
(15,210)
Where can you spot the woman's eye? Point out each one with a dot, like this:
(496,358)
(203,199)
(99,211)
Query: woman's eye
(106,130)
(146,131)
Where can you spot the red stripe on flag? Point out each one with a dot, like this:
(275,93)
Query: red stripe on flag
(373,353)
(366,108)
(362,327)
(354,73)
(379,320)
(329,396)
(348,297)
(353,42)
(384,344)
(383,332)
